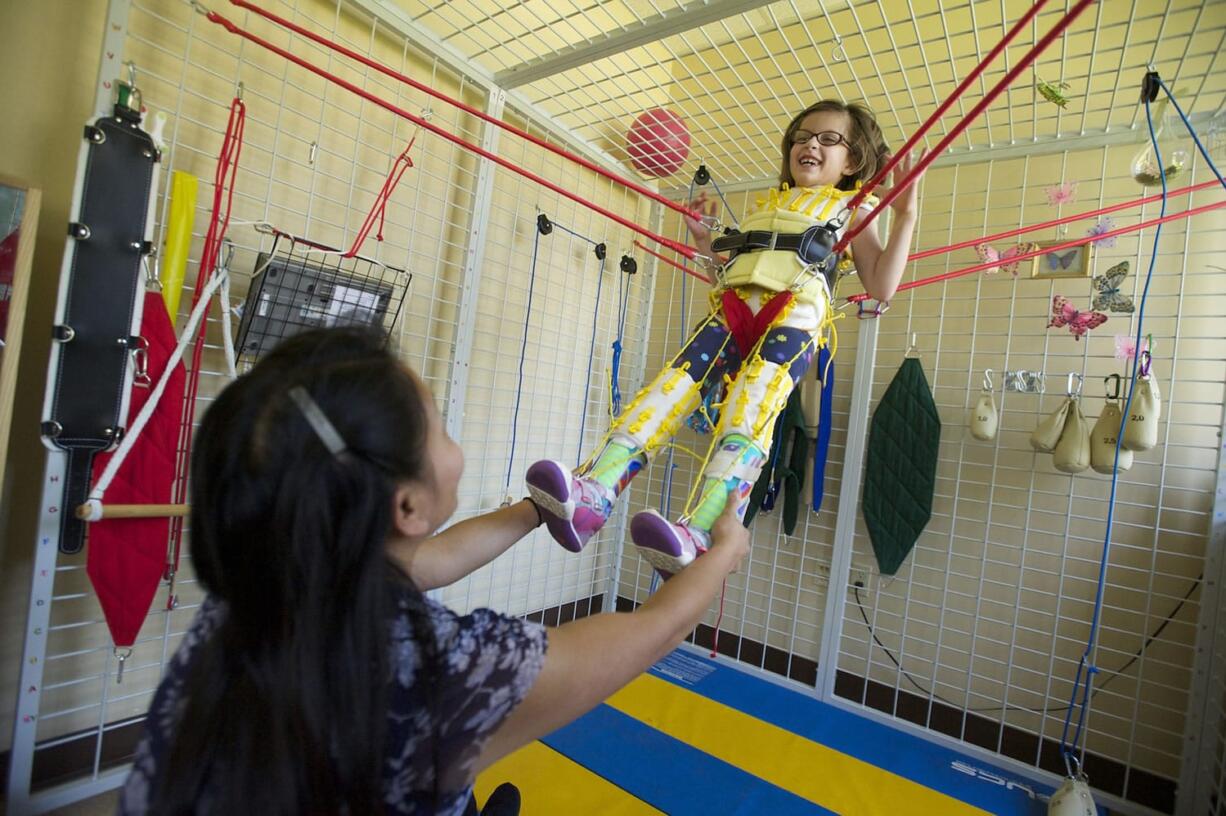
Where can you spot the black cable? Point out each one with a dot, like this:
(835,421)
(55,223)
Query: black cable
(1111,676)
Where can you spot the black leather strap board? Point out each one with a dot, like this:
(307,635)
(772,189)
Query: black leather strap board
(105,278)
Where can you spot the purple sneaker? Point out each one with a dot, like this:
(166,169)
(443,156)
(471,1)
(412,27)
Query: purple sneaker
(574,508)
(666,546)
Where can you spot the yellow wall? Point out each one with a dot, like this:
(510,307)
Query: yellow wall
(49,49)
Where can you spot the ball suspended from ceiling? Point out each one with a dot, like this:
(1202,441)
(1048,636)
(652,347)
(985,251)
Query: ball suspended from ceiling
(658,143)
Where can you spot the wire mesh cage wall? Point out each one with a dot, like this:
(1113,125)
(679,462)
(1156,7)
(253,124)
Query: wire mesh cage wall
(979,635)
(514,332)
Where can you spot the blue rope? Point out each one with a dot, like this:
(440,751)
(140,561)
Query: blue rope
(577,235)
(720,193)
(591,353)
(523,348)
(1085,666)
(623,305)
(1191,130)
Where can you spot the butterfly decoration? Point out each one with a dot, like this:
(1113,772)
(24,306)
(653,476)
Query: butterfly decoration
(1103,225)
(1063,313)
(1002,260)
(1053,92)
(1126,346)
(1107,294)
(1061,260)
(1062,193)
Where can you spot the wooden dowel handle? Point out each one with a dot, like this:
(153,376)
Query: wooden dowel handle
(113,511)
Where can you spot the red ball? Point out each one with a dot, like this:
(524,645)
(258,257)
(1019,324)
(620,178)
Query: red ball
(658,143)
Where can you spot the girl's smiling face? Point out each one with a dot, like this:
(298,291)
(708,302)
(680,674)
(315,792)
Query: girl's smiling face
(814,164)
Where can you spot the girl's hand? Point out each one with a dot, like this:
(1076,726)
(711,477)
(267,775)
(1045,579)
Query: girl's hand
(698,230)
(908,202)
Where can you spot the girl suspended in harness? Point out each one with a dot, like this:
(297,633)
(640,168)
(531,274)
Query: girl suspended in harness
(770,309)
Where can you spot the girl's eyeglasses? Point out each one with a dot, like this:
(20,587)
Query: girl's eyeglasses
(828,138)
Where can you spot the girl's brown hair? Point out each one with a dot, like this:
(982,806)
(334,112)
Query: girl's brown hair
(868,147)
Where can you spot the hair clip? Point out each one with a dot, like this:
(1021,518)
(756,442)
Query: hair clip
(318,421)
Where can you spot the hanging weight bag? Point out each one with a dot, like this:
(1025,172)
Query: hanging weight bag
(984,419)
(1072,453)
(1141,432)
(1102,441)
(1047,435)
(1106,431)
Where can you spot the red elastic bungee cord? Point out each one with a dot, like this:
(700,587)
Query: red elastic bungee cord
(482,115)
(966,121)
(927,124)
(676,246)
(957,273)
(379,208)
(219,220)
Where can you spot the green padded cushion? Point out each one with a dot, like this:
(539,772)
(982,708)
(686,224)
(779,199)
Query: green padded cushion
(901,471)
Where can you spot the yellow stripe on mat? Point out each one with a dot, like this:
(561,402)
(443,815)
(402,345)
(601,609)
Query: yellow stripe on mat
(551,784)
(827,777)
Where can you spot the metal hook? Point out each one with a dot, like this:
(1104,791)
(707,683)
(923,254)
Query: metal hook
(131,66)
(199,8)
(838,54)
(229,247)
(121,655)
(879,309)
(913,349)
(238,91)
(1114,394)
(987,380)
(1075,392)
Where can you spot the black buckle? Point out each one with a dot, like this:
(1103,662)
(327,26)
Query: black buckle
(815,244)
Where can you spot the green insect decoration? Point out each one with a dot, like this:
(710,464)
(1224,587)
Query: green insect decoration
(1054,92)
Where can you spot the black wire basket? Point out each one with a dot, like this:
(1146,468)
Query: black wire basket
(300,285)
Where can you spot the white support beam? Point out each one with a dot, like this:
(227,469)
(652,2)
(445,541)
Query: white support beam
(848,507)
(694,14)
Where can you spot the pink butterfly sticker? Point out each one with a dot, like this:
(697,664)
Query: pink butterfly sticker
(1063,313)
(1126,346)
(1002,259)
(1062,193)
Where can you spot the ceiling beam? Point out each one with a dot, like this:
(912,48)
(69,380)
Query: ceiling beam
(691,15)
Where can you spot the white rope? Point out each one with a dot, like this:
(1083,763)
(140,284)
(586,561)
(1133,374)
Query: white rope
(220,280)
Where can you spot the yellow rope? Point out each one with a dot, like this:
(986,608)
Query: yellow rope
(690,507)
(713,315)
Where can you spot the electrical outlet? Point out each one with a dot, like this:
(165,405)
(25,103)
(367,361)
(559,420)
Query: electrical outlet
(860,573)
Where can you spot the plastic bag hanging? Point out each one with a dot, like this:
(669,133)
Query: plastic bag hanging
(1141,432)
(1106,430)
(984,419)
